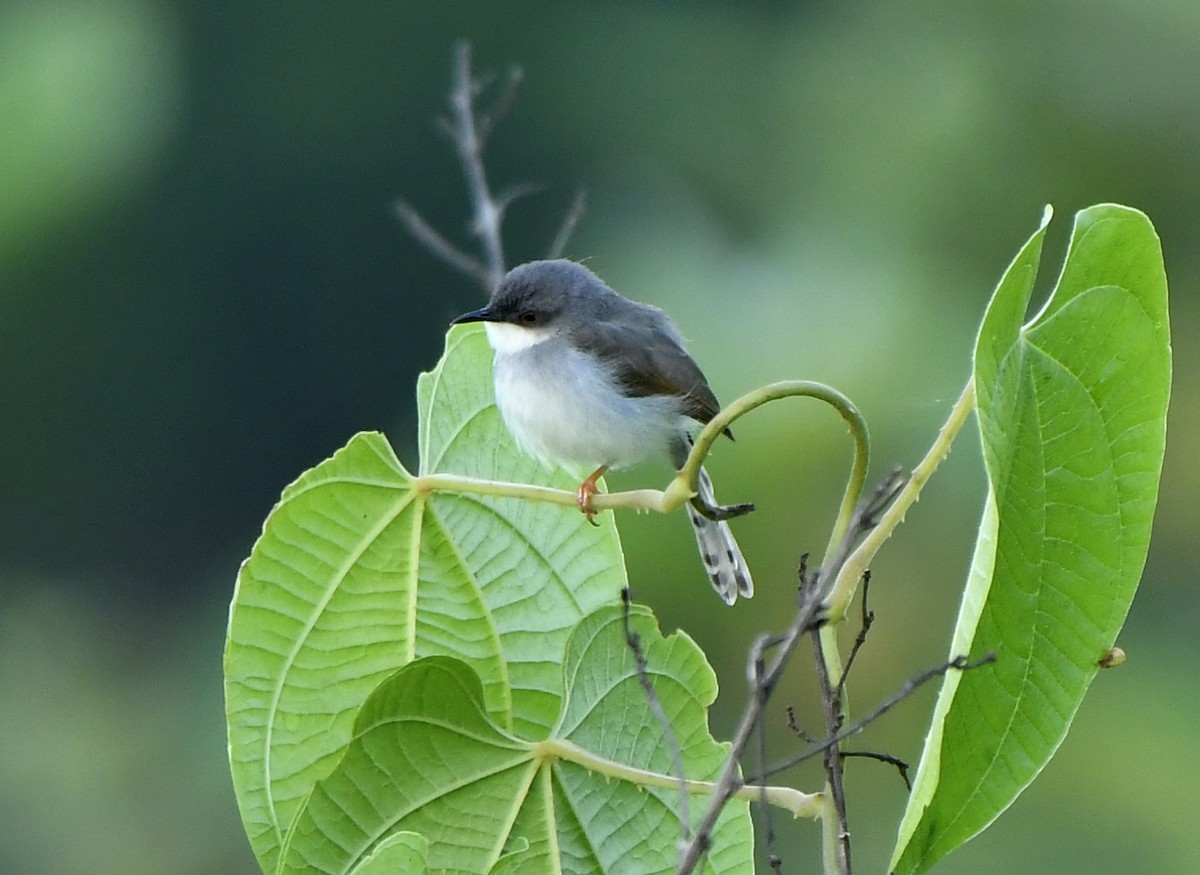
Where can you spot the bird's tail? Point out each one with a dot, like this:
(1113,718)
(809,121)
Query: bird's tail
(722,557)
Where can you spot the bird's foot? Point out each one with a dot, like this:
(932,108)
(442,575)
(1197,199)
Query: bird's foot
(720,512)
(587,489)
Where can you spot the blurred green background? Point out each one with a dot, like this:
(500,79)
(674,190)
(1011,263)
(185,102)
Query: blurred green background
(203,291)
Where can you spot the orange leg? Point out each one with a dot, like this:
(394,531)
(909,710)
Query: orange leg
(586,490)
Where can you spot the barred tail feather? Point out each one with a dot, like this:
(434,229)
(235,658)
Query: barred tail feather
(722,557)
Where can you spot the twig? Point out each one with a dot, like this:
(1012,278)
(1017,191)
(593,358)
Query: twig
(806,618)
(868,617)
(424,234)
(730,781)
(959,663)
(486,124)
(768,823)
(469,134)
(634,641)
(465,135)
(901,765)
(469,129)
(514,193)
(569,223)
(795,727)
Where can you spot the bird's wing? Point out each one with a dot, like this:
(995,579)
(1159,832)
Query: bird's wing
(648,359)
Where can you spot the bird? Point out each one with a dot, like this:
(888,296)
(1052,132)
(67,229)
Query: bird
(587,378)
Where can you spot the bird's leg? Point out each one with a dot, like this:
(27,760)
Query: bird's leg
(585,492)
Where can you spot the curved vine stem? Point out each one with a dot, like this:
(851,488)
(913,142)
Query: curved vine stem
(683,487)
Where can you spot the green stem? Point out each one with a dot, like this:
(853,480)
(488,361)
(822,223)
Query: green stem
(639,499)
(830,840)
(843,589)
(683,487)
(858,562)
(788,798)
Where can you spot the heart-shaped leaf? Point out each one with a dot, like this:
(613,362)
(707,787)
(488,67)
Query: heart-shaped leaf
(1072,410)
(359,572)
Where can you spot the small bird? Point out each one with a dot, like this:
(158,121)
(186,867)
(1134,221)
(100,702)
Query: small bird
(587,378)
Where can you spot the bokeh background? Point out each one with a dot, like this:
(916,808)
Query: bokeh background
(204,291)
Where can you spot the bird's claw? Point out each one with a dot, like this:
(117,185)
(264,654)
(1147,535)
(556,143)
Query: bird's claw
(583,497)
(587,489)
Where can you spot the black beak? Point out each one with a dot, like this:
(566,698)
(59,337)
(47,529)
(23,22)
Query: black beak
(483,314)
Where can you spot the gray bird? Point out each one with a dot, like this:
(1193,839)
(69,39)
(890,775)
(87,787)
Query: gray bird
(587,378)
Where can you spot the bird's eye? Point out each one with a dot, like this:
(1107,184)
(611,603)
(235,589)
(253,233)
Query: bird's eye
(529,318)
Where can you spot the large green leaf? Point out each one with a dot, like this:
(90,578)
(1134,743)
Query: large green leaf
(427,757)
(1072,412)
(358,573)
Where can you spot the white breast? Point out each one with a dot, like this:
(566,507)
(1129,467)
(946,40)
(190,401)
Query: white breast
(564,406)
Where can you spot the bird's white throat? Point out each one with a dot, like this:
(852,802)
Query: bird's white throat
(507,338)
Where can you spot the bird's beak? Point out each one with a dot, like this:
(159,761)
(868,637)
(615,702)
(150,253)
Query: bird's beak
(483,314)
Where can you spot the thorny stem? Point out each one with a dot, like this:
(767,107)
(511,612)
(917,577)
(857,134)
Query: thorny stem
(844,585)
(831,674)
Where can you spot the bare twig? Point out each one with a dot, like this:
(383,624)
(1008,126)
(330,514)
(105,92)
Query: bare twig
(730,781)
(569,223)
(806,618)
(424,234)
(469,129)
(795,727)
(465,135)
(959,663)
(515,192)
(487,123)
(768,822)
(469,133)
(634,641)
(868,617)
(831,676)
(901,765)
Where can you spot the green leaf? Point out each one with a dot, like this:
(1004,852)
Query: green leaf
(358,572)
(426,756)
(1072,412)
